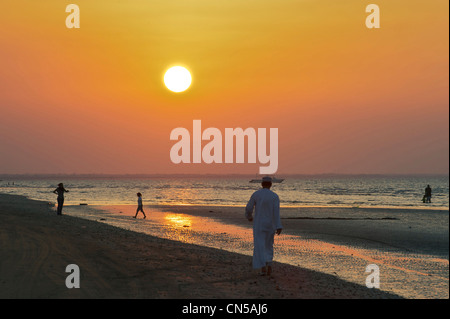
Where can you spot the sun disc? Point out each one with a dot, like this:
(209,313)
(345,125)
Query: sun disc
(177,79)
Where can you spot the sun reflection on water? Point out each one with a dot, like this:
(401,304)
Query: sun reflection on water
(178,220)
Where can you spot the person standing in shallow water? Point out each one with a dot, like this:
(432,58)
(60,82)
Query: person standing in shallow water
(428,194)
(60,192)
(140,206)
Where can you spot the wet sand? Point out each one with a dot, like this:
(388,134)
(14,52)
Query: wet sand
(410,247)
(116,262)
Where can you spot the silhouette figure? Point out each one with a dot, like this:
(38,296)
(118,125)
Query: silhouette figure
(140,206)
(60,191)
(428,194)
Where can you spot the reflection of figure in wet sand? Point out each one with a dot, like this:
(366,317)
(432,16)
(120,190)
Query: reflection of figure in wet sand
(60,191)
(266,222)
(140,206)
(428,194)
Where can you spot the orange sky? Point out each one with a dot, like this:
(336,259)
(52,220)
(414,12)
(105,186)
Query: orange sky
(346,99)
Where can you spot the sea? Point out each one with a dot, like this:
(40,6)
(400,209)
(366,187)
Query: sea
(294,191)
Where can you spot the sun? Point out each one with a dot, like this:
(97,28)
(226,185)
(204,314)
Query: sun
(177,79)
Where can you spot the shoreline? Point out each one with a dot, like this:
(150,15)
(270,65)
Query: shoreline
(117,263)
(331,207)
(394,208)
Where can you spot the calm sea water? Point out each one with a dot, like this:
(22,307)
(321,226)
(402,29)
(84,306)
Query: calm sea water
(353,191)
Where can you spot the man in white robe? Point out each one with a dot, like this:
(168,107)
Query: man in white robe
(266,223)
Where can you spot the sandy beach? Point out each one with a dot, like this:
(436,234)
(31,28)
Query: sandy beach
(36,246)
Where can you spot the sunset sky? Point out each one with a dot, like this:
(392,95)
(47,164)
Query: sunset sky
(345,98)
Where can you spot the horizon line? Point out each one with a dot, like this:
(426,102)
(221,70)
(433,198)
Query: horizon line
(147,175)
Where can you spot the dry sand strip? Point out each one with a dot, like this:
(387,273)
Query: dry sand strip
(37,245)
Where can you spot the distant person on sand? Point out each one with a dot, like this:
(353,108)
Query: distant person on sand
(140,207)
(428,194)
(60,191)
(266,223)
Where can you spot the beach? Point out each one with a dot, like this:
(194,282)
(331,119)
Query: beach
(119,258)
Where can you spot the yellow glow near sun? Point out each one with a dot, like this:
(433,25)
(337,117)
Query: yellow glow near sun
(177,79)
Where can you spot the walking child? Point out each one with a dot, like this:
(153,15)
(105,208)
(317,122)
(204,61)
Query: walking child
(140,207)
